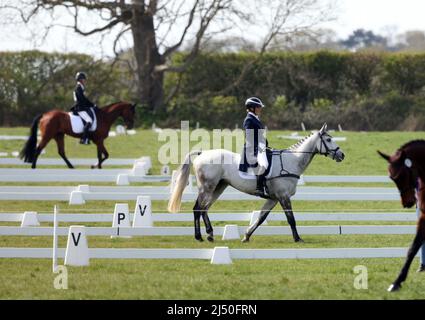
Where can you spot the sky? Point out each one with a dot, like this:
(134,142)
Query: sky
(385,17)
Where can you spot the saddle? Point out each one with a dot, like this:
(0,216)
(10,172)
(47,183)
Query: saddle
(250,173)
(77,123)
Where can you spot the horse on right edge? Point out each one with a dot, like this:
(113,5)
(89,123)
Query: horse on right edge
(407,169)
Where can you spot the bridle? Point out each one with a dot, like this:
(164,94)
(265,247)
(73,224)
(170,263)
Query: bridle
(285,173)
(327,149)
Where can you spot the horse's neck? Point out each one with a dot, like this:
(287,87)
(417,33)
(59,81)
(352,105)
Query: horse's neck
(109,115)
(303,154)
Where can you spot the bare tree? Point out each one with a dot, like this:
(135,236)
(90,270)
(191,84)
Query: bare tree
(160,28)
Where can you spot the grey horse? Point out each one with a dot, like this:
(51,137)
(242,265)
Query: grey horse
(217,169)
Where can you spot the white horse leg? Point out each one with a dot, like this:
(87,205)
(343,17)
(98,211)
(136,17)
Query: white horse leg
(217,192)
(265,210)
(287,207)
(202,204)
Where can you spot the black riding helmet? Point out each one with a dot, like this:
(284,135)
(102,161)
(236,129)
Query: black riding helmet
(253,102)
(80,76)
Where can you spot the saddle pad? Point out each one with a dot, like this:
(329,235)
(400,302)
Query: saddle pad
(250,173)
(77,123)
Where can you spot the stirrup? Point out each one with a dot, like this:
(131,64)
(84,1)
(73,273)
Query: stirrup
(262,193)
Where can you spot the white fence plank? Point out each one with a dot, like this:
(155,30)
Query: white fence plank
(162,193)
(108,253)
(188,217)
(188,231)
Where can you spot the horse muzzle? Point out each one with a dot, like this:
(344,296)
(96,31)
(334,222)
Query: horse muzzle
(338,156)
(408,199)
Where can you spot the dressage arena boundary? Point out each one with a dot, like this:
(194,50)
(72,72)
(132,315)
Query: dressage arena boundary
(83,193)
(60,162)
(188,217)
(211,254)
(235,231)
(137,174)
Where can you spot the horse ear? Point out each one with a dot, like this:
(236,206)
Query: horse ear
(133,106)
(324,128)
(383,155)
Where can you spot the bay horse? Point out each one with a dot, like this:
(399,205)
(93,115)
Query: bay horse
(55,124)
(216,169)
(407,169)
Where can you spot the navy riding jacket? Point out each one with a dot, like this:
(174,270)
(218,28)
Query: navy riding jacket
(254,136)
(82,103)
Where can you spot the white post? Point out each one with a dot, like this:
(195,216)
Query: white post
(55,238)
(121,218)
(77,251)
(231,232)
(143,212)
(221,255)
(29,219)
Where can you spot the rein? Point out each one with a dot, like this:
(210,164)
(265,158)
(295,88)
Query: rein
(285,173)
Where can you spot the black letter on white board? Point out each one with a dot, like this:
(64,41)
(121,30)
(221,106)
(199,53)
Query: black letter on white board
(142,212)
(76,241)
(121,216)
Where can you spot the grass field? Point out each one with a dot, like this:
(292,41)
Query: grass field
(189,279)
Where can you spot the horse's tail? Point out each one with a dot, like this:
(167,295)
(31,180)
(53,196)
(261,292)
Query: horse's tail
(28,151)
(180,183)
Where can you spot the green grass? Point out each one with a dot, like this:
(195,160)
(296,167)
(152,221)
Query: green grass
(190,279)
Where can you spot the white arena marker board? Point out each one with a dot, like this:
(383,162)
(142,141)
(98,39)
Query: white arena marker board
(143,212)
(121,218)
(29,219)
(77,252)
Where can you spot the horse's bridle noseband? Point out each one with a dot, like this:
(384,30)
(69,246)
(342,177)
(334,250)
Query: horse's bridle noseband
(327,149)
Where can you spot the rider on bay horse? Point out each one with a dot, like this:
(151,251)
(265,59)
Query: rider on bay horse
(254,151)
(83,106)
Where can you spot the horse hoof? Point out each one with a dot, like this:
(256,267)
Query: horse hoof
(394,287)
(245,239)
(199,239)
(299,240)
(210,238)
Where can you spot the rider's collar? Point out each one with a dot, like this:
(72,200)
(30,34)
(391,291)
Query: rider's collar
(82,85)
(254,115)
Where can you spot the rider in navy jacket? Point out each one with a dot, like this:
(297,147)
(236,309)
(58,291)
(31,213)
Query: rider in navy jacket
(254,151)
(83,106)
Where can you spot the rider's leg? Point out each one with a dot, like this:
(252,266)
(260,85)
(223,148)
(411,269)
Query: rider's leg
(85,138)
(261,183)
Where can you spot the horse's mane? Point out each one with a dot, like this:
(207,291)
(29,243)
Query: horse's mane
(109,105)
(413,143)
(300,142)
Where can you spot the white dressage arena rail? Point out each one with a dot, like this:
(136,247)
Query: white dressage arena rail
(60,162)
(246,216)
(188,231)
(112,175)
(83,193)
(207,254)
(119,176)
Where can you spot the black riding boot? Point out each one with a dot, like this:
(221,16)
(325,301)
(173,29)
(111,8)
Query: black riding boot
(261,187)
(85,137)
